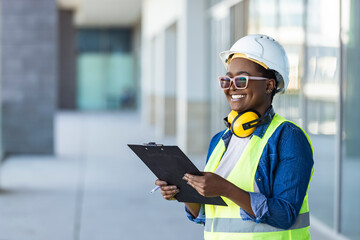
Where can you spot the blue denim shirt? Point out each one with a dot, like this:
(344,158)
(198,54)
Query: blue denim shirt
(282,176)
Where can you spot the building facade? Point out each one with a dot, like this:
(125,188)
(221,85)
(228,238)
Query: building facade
(181,41)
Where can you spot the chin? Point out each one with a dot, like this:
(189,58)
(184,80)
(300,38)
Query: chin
(238,109)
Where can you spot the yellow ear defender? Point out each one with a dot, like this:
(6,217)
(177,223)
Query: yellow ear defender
(244,124)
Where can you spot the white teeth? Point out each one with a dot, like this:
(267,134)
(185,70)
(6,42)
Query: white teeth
(237,96)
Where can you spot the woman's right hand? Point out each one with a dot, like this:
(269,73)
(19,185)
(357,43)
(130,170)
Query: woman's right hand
(167,191)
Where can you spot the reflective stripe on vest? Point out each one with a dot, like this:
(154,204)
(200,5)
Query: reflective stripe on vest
(225,222)
(238,225)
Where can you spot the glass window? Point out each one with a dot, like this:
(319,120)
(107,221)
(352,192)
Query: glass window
(291,13)
(275,19)
(350,207)
(105,75)
(104,40)
(321,98)
(263,17)
(213,2)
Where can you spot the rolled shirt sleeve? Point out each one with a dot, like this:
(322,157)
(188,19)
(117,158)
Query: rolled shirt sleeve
(259,205)
(200,219)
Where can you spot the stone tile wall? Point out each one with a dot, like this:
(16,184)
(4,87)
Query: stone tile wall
(28,77)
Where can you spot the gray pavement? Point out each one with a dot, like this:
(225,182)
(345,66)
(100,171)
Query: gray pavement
(95,188)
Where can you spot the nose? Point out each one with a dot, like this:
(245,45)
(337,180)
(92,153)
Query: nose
(232,85)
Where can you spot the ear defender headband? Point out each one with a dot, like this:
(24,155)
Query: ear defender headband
(244,124)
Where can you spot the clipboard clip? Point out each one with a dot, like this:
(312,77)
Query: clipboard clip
(153,144)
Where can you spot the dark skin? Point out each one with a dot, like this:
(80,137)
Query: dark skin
(257,96)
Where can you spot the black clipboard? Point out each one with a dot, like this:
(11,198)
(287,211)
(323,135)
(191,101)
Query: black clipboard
(170,164)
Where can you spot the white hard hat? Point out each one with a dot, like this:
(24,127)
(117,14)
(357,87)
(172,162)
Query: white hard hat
(265,51)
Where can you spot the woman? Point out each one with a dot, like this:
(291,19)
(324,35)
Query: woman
(262,172)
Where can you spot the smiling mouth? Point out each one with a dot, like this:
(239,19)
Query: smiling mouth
(237,97)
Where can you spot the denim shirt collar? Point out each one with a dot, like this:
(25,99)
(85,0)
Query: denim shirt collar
(259,131)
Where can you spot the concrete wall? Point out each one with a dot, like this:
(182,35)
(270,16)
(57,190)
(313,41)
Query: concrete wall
(28,87)
(175,95)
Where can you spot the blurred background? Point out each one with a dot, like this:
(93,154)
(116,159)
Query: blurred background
(80,79)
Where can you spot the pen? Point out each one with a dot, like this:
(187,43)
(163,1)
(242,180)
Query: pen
(155,188)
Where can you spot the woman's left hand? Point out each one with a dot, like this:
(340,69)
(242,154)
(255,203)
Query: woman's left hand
(208,185)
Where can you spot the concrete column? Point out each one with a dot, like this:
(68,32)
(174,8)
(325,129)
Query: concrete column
(170,80)
(28,87)
(159,83)
(152,82)
(165,82)
(147,81)
(145,84)
(192,87)
(67,60)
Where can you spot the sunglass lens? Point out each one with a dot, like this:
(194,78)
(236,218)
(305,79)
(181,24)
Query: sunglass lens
(240,82)
(224,82)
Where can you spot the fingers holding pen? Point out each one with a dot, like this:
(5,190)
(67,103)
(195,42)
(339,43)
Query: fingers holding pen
(164,186)
(159,182)
(167,191)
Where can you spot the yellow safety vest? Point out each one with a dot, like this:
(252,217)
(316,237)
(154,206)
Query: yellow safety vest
(225,222)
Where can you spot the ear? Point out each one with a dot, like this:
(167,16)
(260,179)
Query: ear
(270,85)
